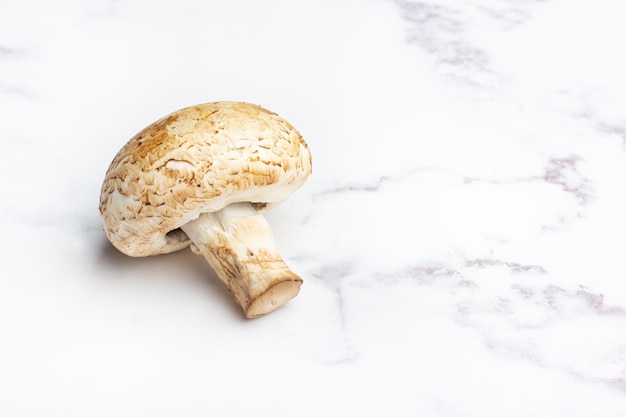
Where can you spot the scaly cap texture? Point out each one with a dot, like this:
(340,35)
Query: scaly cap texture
(198,159)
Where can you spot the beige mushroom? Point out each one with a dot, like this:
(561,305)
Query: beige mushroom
(200,177)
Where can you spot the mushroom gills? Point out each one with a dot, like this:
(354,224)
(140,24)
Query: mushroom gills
(239,245)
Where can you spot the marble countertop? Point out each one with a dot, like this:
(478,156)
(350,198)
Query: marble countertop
(461,239)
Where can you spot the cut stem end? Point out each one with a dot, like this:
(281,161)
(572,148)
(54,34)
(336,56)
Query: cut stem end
(238,244)
(273,298)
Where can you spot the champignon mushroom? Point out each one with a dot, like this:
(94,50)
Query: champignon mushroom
(200,177)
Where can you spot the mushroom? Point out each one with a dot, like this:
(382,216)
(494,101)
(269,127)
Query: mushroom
(200,177)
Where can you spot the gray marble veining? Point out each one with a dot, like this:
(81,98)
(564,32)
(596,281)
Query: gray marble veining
(461,239)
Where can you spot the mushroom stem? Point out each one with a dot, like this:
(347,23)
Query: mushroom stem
(238,244)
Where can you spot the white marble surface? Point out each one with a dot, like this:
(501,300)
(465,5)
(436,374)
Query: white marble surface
(461,239)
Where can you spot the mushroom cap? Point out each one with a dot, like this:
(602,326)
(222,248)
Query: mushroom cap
(198,160)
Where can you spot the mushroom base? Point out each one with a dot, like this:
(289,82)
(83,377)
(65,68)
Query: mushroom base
(238,244)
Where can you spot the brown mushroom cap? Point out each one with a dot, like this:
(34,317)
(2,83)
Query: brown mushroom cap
(197,160)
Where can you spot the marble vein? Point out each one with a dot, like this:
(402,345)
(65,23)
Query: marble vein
(471,266)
